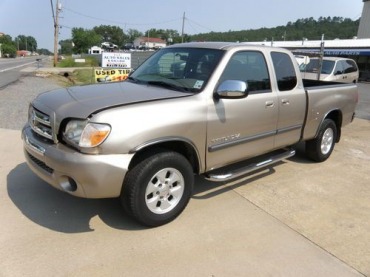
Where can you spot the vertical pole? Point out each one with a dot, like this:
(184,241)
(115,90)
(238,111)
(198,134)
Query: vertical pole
(148,41)
(183,24)
(56,32)
(322,45)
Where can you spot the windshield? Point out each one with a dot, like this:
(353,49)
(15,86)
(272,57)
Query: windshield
(313,66)
(182,69)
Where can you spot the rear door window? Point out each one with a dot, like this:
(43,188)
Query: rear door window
(284,70)
(349,66)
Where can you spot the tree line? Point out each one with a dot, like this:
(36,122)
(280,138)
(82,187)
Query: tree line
(9,46)
(83,39)
(308,28)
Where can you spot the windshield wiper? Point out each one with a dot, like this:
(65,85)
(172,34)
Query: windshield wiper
(166,85)
(132,79)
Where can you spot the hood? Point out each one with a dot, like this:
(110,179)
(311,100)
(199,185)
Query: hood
(82,101)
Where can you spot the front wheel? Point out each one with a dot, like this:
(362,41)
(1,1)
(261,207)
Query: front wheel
(320,148)
(158,188)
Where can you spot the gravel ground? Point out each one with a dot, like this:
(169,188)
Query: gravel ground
(15,98)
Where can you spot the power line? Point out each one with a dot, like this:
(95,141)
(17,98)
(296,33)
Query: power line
(52,11)
(119,22)
(202,26)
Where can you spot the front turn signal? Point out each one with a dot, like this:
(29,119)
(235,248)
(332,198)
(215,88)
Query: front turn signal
(94,134)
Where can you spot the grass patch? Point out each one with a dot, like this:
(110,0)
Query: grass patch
(76,78)
(70,62)
(84,76)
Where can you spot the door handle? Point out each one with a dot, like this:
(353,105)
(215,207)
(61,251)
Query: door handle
(269,104)
(285,101)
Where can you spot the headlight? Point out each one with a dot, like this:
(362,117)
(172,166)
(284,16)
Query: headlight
(86,134)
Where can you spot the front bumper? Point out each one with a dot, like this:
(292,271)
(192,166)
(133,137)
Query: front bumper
(82,175)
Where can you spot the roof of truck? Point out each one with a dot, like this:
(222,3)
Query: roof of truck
(214,45)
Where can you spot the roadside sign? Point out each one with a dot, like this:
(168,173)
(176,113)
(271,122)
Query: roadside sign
(116,60)
(103,75)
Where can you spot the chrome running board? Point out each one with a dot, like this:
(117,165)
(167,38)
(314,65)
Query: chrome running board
(222,175)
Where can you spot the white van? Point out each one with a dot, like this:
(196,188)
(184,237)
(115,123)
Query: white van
(334,69)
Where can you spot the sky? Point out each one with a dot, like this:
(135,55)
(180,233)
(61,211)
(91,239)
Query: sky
(34,17)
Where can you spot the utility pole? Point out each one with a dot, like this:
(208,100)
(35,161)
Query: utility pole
(322,47)
(56,33)
(183,24)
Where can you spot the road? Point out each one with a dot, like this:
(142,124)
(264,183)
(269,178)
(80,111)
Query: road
(10,69)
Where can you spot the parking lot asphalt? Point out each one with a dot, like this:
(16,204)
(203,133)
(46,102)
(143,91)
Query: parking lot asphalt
(297,218)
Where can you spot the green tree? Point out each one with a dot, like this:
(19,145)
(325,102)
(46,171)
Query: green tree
(83,39)
(8,50)
(28,43)
(6,39)
(164,34)
(132,34)
(332,27)
(66,47)
(43,51)
(112,34)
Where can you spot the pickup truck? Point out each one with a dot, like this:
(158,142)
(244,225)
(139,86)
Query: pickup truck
(215,109)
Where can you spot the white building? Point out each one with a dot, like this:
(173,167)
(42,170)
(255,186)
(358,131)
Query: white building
(149,43)
(357,49)
(364,28)
(96,50)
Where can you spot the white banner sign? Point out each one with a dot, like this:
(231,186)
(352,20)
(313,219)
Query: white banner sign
(116,60)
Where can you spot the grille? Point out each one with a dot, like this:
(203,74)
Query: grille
(41,164)
(40,124)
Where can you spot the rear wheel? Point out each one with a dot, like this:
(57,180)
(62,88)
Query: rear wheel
(320,148)
(158,188)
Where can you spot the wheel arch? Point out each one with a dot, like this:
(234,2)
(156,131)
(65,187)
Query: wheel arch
(337,117)
(179,145)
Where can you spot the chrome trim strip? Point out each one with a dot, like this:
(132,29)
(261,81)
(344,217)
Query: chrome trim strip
(227,144)
(34,146)
(235,142)
(288,129)
(40,123)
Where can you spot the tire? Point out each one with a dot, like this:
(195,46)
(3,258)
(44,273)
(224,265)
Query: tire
(158,188)
(320,148)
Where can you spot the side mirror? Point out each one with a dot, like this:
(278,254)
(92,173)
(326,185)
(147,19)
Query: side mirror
(232,89)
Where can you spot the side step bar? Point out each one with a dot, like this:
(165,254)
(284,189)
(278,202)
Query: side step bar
(223,176)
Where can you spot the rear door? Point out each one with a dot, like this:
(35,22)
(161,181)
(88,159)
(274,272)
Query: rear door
(291,100)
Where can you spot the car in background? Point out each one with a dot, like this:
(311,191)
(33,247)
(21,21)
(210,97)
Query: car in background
(334,69)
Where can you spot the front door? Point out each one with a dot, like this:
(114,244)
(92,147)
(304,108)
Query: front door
(242,128)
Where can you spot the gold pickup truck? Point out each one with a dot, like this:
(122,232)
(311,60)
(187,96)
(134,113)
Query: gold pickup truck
(220,110)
